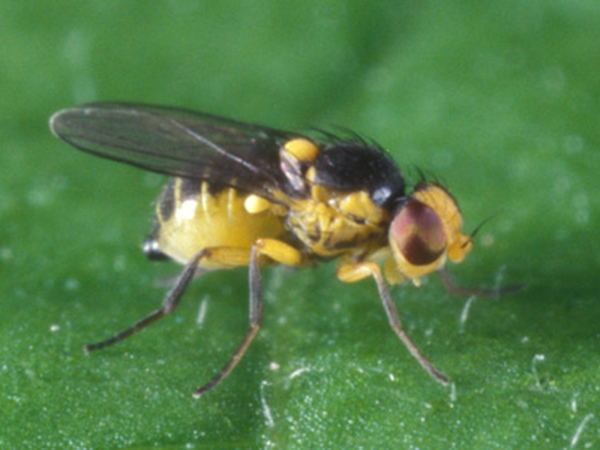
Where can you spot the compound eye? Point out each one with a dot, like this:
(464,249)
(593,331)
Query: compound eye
(418,234)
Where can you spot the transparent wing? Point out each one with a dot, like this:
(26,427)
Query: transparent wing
(179,143)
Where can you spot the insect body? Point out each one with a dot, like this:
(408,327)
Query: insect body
(245,195)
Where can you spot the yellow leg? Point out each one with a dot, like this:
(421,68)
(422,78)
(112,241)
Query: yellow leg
(279,252)
(215,256)
(352,272)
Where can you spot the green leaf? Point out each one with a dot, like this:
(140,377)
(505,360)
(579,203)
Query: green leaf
(499,100)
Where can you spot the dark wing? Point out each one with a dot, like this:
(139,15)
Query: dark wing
(179,143)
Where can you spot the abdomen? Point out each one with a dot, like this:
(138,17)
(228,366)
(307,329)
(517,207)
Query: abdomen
(192,215)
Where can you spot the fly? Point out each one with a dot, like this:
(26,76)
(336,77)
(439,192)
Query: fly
(247,195)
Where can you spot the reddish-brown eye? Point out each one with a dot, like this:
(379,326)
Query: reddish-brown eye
(418,234)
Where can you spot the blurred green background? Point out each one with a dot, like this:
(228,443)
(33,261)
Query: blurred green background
(498,99)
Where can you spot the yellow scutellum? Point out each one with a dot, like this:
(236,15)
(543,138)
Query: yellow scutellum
(302,149)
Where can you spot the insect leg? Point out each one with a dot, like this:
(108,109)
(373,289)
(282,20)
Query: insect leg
(279,252)
(350,273)
(256,308)
(455,289)
(169,304)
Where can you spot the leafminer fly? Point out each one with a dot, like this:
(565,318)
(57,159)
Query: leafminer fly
(248,195)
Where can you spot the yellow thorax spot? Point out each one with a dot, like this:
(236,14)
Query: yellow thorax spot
(311,174)
(255,204)
(302,149)
(360,205)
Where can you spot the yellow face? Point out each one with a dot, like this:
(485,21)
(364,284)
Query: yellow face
(425,231)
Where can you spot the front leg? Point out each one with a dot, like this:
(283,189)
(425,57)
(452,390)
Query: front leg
(352,272)
(453,288)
